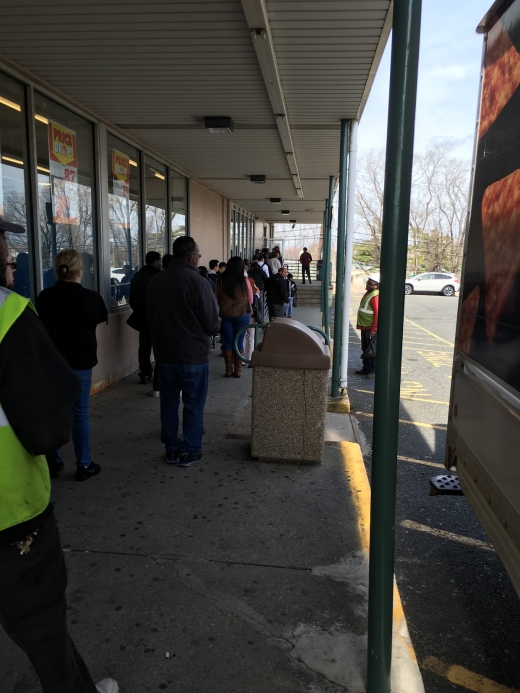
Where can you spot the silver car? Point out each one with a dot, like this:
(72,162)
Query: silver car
(432,282)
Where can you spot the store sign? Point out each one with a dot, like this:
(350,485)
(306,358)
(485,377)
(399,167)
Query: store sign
(63,164)
(121,173)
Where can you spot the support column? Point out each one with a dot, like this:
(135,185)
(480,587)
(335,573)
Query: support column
(340,260)
(324,313)
(396,211)
(325,280)
(350,222)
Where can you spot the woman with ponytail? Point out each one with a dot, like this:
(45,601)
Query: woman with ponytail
(71,314)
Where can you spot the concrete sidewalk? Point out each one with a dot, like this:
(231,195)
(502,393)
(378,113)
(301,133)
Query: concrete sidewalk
(229,576)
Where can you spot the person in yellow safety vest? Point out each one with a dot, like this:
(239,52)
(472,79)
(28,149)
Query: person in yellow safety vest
(368,313)
(37,394)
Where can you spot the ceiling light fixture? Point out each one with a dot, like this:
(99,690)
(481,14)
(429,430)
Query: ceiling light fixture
(132,162)
(42,119)
(260,179)
(275,200)
(11,160)
(43,169)
(219,125)
(292,221)
(10,104)
(258,33)
(286,212)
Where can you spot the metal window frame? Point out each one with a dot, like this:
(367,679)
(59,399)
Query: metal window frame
(31,196)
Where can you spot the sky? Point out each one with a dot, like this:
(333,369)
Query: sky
(449,73)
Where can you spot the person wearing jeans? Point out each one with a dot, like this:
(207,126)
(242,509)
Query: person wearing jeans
(183,315)
(71,314)
(235,299)
(81,426)
(192,382)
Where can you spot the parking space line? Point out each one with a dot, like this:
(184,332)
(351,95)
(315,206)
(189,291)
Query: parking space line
(428,332)
(463,677)
(442,534)
(425,462)
(437,427)
(410,398)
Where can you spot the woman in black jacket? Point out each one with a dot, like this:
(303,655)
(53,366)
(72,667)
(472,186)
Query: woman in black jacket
(71,313)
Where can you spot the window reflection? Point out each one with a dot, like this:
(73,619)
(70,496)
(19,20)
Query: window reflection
(155,236)
(179,205)
(123,217)
(64,150)
(13,204)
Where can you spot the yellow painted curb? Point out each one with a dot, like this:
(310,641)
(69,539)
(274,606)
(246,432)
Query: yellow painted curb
(406,677)
(341,405)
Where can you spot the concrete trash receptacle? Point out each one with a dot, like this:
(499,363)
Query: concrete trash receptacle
(290,375)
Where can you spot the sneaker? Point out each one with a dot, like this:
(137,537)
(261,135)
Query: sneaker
(371,376)
(145,379)
(154,393)
(361,372)
(84,473)
(172,456)
(187,460)
(107,686)
(55,468)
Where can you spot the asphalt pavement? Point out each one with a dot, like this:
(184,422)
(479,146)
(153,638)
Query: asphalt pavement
(462,612)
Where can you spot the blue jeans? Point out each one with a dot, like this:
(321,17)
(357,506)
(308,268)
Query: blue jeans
(287,310)
(230,326)
(192,381)
(81,427)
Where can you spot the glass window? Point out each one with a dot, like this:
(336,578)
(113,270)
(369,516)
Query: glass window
(123,217)
(13,205)
(65,162)
(155,232)
(179,205)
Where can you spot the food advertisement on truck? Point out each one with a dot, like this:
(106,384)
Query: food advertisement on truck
(489,331)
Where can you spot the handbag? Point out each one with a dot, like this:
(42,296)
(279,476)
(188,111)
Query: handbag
(370,351)
(295,302)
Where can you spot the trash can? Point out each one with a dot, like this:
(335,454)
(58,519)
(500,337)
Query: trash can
(319,270)
(290,375)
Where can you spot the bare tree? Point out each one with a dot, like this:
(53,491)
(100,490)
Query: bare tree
(438,209)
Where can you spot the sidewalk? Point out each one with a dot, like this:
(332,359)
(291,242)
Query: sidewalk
(232,576)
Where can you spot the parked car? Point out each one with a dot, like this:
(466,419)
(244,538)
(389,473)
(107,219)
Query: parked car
(432,282)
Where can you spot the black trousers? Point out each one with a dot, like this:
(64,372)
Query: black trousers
(306,269)
(369,365)
(33,612)
(145,351)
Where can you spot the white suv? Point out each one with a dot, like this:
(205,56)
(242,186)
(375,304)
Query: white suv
(434,282)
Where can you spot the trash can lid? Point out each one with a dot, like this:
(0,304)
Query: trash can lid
(288,343)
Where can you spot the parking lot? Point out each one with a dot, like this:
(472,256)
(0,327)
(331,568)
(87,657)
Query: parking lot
(462,611)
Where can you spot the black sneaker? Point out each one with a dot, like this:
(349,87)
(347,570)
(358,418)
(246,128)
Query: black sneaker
(55,468)
(172,456)
(145,379)
(187,460)
(362,371)
(84,473)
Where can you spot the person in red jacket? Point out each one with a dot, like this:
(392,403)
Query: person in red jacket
(367,322)
(305,261)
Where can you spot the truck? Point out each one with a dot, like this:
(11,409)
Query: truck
(483,440)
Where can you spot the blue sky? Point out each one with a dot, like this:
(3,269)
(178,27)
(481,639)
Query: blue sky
(449,74)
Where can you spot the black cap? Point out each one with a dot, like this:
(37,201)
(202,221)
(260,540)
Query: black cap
(8,227)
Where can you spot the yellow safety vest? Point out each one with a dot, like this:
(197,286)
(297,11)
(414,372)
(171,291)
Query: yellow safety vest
(365,316)
(25,486)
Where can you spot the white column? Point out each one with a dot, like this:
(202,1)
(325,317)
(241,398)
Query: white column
(351,210)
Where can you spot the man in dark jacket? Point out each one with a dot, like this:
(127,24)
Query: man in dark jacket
(182,315)
(138,319)
(37,394)
(277,296)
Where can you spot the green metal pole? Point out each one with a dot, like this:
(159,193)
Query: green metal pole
(324,312)
(326,259)
(396,211)
(340,258)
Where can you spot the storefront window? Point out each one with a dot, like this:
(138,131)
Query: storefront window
(65,162)
(13,204)
(123,217)
(156,230)
(179,205)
